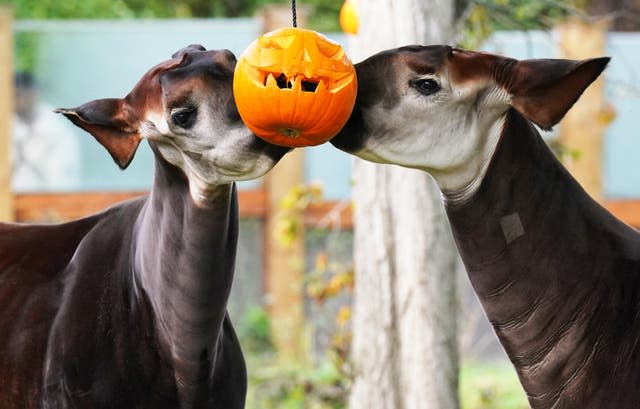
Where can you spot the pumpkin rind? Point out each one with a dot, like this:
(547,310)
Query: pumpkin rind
(274,85)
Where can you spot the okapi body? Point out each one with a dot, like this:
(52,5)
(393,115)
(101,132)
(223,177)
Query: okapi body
(127,308)
(557,275)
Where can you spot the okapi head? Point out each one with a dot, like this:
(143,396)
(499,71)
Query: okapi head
(440,109)
(185,108)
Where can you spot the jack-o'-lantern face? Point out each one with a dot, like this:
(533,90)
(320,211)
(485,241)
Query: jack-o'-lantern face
(294,87)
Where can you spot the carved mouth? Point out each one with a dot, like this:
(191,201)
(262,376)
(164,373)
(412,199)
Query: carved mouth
(306,84)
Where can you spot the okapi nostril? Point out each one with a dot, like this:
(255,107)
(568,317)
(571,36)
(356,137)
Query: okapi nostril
(309,86)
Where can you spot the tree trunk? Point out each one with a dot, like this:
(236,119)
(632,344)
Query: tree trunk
(405,306)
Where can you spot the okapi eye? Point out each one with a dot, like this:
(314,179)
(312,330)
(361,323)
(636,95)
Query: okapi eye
(184,117)
(426,86)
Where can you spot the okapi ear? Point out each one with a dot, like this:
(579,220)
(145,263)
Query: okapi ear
(544,90)
(188,49)
(112,123)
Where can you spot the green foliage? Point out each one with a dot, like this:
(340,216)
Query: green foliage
(289,224)
(105,9)
(323,15)
(562,151)
(273,386)
(254,331)
(27,46)
(486,16)
(43,9)
(486,386)
(324,386)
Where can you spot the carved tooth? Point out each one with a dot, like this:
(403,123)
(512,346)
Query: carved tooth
(321,86)
(271,81)
(297,83)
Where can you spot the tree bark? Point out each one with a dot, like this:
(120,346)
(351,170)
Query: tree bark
(405,304)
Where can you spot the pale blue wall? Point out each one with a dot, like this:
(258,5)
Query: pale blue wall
(622,140)
(83,60)
(80,61)
(621,169)
(522,45)
(622,143)
(328,166)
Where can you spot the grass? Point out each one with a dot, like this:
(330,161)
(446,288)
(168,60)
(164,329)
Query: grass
(273,386)
(491,386)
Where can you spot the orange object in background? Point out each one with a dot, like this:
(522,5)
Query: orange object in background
(295,87)
(348,17)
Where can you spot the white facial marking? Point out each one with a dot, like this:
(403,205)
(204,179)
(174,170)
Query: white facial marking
(467,188)
(210,153)
(452,134)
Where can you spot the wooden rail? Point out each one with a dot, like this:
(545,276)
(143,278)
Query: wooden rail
(58,207)
(626,210)
(51,207)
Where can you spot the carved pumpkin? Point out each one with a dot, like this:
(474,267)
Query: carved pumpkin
(294,87)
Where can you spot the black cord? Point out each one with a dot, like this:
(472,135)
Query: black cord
(293,13)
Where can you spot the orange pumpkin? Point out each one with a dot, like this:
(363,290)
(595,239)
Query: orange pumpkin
(294,87)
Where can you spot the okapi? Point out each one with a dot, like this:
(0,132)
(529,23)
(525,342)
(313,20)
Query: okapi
(557,275)
(127,308)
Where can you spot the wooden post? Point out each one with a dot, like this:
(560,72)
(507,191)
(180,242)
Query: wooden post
(6,111)
(583,127)
(284,267)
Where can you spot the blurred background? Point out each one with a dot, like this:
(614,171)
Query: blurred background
(291,299)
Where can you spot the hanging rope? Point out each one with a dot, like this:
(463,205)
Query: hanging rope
(293,13)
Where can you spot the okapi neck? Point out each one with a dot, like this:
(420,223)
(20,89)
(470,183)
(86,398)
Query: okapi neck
(556,273)
(521,180)
(184,263)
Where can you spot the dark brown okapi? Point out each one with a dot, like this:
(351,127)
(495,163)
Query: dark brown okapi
(557,275)
(127,308)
